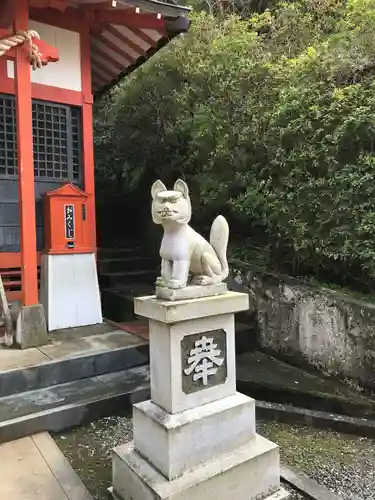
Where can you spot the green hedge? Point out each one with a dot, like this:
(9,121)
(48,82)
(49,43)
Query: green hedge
(272,121)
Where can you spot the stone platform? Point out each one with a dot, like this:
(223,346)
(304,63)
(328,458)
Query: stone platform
(190,292)
(34,468)
(251,472)
(81,375)
(195,437)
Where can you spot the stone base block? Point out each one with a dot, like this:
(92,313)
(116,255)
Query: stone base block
(168,311)
(31,329)
(190,292)
(69,290)
(251,472)
(177,443)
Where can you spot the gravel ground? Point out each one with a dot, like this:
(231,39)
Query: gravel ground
(89,450)
(294,494)
(344,464)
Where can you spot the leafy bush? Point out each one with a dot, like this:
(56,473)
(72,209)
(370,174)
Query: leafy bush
(272,121)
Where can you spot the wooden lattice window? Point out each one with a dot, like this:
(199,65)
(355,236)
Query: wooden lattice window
(57,143)
(76,143)
(8,136)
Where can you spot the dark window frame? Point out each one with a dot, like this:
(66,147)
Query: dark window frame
(73,141)
(8,137)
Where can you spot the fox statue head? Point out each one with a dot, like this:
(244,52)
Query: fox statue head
(170,207)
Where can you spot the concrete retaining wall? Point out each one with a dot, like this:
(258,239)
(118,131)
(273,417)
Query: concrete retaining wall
(328,330)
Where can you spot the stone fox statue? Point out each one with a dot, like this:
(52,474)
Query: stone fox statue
(183,250)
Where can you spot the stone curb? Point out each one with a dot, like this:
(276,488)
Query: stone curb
(297,480)
(68,480)
(66,416)
(306,485)
(319,419)
(294,397)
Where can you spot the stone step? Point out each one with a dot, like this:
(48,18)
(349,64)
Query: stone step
(117,305)
(69,360)
(277,412)
(107,253)
(138,327)
(116,279)
(66,405)
(269,379)
(116,264)
(245,339)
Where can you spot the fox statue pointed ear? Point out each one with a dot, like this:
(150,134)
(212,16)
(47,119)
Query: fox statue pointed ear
(156,188)
(181,186)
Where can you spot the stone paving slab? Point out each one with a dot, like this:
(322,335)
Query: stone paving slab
(33,468)
(80,331)
(31,402)
(67,405)
(11,359)
(86,345)
(44,400)
(14,358)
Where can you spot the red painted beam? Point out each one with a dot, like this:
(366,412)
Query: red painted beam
(108,72)
(126,40)
(124,18)
(4,33)
(144,36)
(121,52)
(88,136)
(60,5)
(101,6)
(107,57)
(71,19)
(6,13)
(25,164)
(47,52)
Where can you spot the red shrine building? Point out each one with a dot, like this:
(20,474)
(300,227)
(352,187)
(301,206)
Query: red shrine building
(55,56)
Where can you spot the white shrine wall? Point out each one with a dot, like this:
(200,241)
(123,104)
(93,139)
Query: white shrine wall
(66,73)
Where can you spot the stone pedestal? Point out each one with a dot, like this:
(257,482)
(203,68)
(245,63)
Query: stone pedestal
(31,330)
(196,437)
(69,290)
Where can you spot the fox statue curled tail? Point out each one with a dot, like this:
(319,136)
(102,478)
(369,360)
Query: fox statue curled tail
(183,251)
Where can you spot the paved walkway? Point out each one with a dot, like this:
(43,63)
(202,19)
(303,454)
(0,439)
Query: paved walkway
(34,468)
(67,344)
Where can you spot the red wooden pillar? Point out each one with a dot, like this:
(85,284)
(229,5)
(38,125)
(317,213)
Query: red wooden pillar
(25,163)
(87,134)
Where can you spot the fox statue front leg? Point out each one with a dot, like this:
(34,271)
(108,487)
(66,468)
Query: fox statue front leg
(180,274)
(166,273)
(173,274)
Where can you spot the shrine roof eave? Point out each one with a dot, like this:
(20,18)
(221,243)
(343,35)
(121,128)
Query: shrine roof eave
(181,26)
(124,34)
(165,8)
(133,45)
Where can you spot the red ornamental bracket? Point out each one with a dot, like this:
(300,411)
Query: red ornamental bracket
(39,52)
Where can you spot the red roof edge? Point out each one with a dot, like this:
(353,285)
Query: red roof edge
(174,28)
